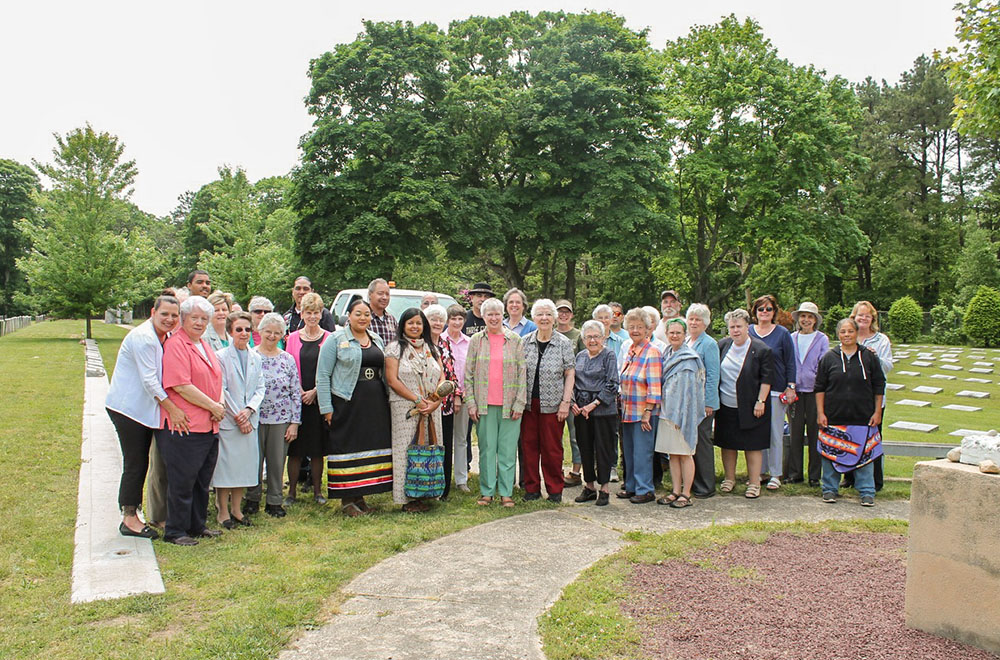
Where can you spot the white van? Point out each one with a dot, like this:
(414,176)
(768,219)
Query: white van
(399,301)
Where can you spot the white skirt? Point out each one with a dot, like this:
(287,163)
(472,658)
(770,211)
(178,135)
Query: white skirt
(239,460)
(670,440)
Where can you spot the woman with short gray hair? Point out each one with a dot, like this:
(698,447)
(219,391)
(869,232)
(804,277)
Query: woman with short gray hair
(551,364)
(595,407)
(258,307)
(280,412)
(699,318)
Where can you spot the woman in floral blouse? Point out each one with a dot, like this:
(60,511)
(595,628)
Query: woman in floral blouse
(280,412)
(437,319)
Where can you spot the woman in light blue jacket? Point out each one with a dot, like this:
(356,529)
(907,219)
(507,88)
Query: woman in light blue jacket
(699,317)
(350,390)
(243,389)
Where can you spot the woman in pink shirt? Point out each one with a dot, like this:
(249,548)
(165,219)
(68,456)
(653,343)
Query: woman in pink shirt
(192,379)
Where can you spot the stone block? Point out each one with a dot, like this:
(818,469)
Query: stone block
(981,370)
(961,408)
(961,433)
(949,359)
(927,389)
(920,363)
(914,426)
(983,364)
(973,394)
(981,447)
(943,376)
(908,373)
(978,380)
(892,387)
(951,367)
(953,567)
(913,402)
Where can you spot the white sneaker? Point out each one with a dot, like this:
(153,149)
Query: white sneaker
(464,488)
(614,474)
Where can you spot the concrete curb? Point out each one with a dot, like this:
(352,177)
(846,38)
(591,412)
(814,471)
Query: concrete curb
(478,593)
(106,564)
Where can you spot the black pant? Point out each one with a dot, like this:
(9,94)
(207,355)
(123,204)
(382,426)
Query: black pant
(134,439)
(190,461)
(802,432)
(704,460)
(598,445)
(447,430)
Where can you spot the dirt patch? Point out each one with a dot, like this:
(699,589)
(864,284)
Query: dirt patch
(836,596)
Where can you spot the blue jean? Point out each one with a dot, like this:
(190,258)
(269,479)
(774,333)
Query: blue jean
(864,478)
(638,456)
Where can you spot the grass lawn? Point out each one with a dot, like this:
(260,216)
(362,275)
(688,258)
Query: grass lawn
(241,596)
(587,623)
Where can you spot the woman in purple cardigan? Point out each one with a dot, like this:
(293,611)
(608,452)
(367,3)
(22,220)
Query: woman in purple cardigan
(810,345)
(764,313)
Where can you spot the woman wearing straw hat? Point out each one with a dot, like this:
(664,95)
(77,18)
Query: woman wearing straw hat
(809,345)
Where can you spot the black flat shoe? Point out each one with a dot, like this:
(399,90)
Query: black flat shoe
(181,540)
(244,521)
(228,523)
(250,507)
(602,499)
(586,495)
(147,532)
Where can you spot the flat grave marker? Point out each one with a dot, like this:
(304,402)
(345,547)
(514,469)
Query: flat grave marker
(985,381)
(961,433)
(973,394)
(927,389)
(961,408)
(908,373)
(951,367)
(892,387)
(980,370)
(921,363)
(913,402)
(914,426)
(951,360)
(943,376)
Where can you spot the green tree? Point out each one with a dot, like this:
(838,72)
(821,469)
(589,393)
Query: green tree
(758,144)
(516,141)
(906,319)
(18,201)
(254,252)
(83,258)
(982,317)
(974,68)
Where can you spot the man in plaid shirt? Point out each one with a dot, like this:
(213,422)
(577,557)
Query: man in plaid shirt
(383,323)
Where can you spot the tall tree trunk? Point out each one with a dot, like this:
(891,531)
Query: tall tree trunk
(89,335)
(571,280)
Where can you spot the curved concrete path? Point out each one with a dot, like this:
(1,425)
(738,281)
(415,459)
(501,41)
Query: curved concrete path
(478,593)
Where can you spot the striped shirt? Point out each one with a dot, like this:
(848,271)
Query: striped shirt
(477,373)
(641,375)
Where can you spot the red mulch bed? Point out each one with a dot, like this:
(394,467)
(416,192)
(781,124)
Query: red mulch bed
(828,596)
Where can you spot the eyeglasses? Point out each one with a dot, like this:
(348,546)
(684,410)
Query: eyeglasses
(765,309)
(235,330)
(259,311)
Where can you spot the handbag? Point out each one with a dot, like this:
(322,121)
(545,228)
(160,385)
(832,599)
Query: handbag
(849,447)
(424,463)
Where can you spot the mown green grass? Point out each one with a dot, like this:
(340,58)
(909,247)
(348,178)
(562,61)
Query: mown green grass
(587,621)
(241,596)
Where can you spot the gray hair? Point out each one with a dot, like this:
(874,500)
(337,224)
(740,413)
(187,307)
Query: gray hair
(272,318)
(515,292)
(737,315)
(639,314)
(260,302)
(193,303)
(543,303)
(374,283)
(702,311)
(653,314)
(840,323)
(436,311)
(592,325)
(601,308)
(491,305)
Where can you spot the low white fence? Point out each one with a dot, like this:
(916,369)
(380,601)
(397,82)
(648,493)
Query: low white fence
(9,325)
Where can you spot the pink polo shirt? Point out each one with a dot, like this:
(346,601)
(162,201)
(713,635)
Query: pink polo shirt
(183,364)
(494,395)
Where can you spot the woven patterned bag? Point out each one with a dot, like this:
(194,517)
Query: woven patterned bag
(424,464)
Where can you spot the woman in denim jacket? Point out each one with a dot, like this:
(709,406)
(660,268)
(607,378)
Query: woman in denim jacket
(350,389)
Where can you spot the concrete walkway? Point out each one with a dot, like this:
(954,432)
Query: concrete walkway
(478,593)
(105,563)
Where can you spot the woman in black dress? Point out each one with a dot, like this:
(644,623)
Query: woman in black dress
(743,421)
(313,440)
(354,403)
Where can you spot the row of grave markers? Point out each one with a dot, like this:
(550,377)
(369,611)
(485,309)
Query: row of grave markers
(947,356)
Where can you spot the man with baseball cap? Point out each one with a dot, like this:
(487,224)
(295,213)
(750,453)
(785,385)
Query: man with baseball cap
(670,308)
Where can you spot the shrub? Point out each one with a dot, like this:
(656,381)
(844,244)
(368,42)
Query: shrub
(833,314)
(982,317)
(946,325)
(906,319)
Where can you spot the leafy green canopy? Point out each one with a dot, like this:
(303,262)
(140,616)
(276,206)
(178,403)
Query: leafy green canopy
(507,138)
(974,69)
(84,258)
(18,201)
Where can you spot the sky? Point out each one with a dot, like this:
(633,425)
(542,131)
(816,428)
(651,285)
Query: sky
(190,86)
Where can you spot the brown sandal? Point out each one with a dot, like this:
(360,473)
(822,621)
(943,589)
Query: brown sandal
(508,502)
(484,501)
(352,510)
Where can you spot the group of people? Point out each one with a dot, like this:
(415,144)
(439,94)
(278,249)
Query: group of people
(207,396)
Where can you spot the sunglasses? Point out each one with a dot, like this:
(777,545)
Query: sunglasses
(259,311)
(235,330)
(765,309)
